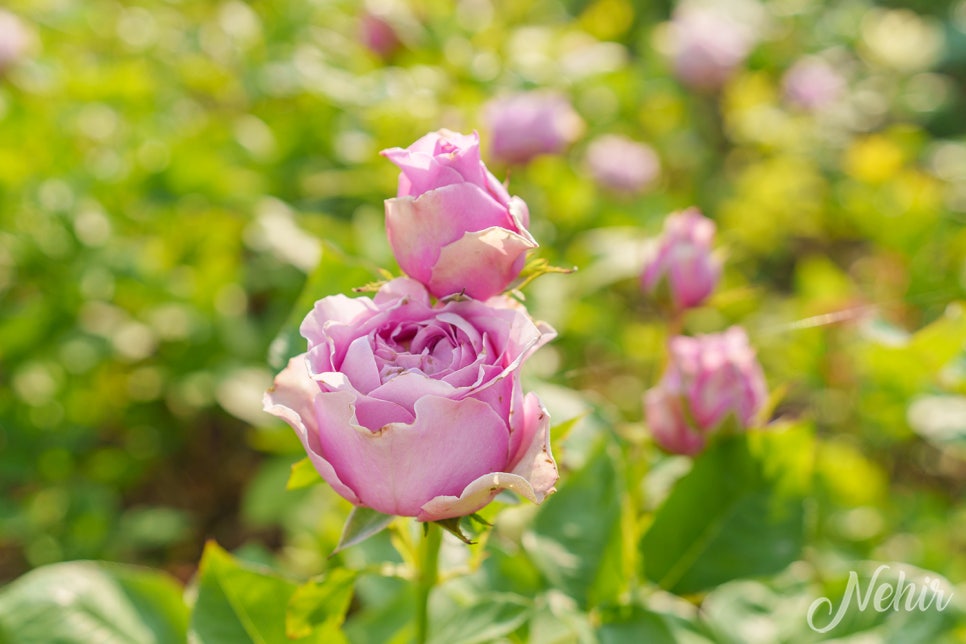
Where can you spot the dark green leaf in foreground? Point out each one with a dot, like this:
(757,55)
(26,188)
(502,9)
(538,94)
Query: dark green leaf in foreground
(238,603)
(88,601)
(319,606)
(738,513)
(483,621)
(576,542)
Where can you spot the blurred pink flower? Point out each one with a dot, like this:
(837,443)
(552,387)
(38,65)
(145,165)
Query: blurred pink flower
(453,226)
(681,265)
(378,35)
(708,380)
(14,39)
(523,126)
(707,45)
(811,83)
(416,410)
(623,165)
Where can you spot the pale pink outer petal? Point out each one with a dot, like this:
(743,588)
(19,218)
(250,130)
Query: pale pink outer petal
(292,398)
(479,264)
(533,477)
(419,227)
(666,422)
(400,467)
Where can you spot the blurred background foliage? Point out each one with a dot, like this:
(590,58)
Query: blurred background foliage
(173,173)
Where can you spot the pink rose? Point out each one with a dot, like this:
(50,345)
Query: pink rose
(708,379)
(523,126)
(453,226)
(416,410)
(681,264)
(623,165)
(708,45)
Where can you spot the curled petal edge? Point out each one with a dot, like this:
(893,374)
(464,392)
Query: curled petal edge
(533,478)
(292,398)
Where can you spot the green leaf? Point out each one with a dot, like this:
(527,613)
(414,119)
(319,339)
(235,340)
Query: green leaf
(576,539)
(303,474)
(88,601)
(637,624)
(238,602)
(362,523)
(320,606)
(487,619)
(738,513)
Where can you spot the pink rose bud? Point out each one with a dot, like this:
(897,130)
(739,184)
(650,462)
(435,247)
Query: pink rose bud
(709,379)
(622,165)
(14,39)
(378,35)
(416,410)
(453,226)
(811,83)
(680,264)
(707,46)
(523,126)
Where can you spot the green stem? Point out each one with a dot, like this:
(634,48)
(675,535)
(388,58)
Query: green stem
(427,574)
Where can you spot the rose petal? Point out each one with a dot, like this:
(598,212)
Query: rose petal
(533,477)
(292,398)
(458,269)
(400,468)
(419,227)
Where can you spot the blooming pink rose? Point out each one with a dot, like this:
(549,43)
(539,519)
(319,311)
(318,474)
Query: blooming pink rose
(453,226)
(681,263)
(707,45)
(523,126)
(416,410)
(623,165)
(709,379)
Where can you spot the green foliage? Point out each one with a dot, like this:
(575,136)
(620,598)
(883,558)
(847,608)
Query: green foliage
(86,601)
(235,602)
(738,513)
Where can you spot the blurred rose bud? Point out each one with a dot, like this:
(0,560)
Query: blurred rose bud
(680,265)
(378,35)
(709,380)
(523,126)
(707,45)
(417,410)
(811,83)
(14,39)
(622,165)
(453,226)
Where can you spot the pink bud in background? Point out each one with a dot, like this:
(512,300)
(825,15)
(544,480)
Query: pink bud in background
(707,44)
(14,39)
(378,35)
(708,380)
(523,126)
(811,83)
(620,164)
(453,226)
(680,263)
